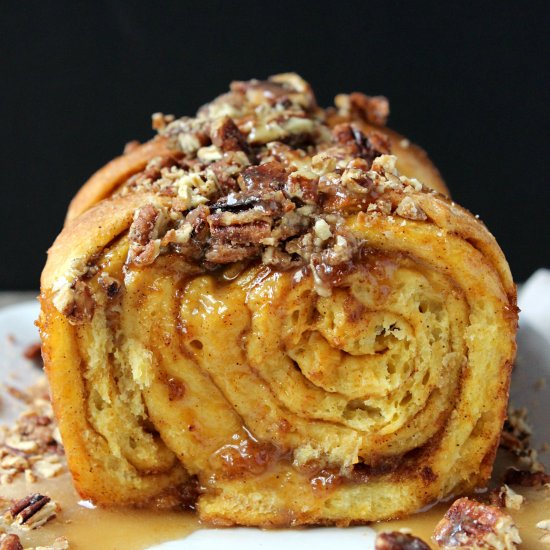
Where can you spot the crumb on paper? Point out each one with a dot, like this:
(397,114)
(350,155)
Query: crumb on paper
(31,447)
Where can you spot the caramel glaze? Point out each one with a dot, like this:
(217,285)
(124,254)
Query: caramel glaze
(535,508)
(89,528)
(134,529)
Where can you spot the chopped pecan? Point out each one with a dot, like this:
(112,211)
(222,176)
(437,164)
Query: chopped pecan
(109,284)
(144,245)
(225,253)
(268,176)
(142,228)
(226,136)
(244,233)
(83,304)
(31,512)
(399,541)
(303,187)
(526,478)
(373,109)
(408,208)
(10,542)
(505,497)
(227,169)
(470,524)
(358,143)
(160,120)
(237,202)
(152,171)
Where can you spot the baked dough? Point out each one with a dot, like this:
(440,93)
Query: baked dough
(273,324)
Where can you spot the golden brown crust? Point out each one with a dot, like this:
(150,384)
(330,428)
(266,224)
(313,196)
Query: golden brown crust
(106,180)
(104,222)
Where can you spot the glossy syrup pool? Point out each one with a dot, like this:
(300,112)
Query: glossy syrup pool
(535,508)
(93,528)
(98,528)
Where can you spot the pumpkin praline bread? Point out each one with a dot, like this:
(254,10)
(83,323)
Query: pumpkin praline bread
(272,313)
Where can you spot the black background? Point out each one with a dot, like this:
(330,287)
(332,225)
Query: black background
(467,81)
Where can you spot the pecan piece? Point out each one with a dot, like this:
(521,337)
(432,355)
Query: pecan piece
(244,233)
(525,478)
(399,541)
(269,176)
(228,137)
(109,284)
(226,253)
(83,303)
(10,542)
(233,204)
(373,109)
(470,524)
(144,244)
(31,512)
(358,144)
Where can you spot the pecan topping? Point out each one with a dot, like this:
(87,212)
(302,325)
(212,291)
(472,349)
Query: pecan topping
(83,303)
(260,173)
(373,109)
(470,524)
(31,447)
(227,136)
(399,541)
(31,512)
(526,478)
(144,245)
(505,497)
(10,542)
(268,176)
(109,284)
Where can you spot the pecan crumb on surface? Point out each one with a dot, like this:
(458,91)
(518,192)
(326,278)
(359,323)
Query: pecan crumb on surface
(506,497)
(31,512)
(10,542)
(31,446)
(470,524)
(526,478)
(516,436)
(399,541)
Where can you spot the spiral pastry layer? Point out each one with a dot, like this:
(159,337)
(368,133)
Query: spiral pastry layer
(302,337)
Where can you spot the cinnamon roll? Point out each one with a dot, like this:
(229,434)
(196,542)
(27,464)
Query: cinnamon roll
(266,314)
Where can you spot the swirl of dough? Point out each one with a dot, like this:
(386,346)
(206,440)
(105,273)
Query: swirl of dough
(277,332)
